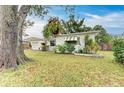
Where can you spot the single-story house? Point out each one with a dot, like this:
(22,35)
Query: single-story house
(35,43)
(26,45)
(75,38)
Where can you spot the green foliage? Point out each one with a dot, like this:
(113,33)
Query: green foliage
(86,28)
(90,45)
(87,40)
(73,25)
(69,47)
(60,49)
(98,27)
(87,50)
(70,9)
(38,10)
(65,48)
(49,69)
(95,47)
(117,36)
(26,24)
(103,36)
(53,28)
(118,49)
(43,47)
(80,51)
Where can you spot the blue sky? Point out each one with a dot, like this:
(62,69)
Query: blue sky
(111,17)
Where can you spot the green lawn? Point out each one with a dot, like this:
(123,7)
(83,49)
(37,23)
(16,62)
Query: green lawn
(49,69)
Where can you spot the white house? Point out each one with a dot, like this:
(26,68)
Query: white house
(35,43)
(75,38)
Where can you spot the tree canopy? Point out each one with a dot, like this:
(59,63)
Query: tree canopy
(73,25)
(53,27)
(103,36)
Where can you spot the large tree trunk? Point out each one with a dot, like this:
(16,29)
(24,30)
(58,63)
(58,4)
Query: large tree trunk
(8,36)
(21,58)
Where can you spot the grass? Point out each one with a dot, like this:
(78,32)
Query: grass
(49,69)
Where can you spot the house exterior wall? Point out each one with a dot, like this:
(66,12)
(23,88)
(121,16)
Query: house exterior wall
(82,38)
(60,40)
(36,45)
(51,48)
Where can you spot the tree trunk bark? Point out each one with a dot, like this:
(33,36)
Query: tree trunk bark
(8,36)
(21,58)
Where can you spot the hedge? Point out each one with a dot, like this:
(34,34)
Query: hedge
(118,49)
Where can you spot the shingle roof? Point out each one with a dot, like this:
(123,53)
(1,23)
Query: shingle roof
(80,33)
(33,39)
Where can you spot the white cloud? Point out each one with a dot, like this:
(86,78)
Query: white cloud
(112,20)
(93,16)
(36,29)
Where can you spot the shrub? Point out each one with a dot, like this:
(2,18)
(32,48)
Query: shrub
(118,49)
(69,47)
(60,49)
(90,46)
(78,49)
(43,47)
(87,50)
(95,47)
(65,48)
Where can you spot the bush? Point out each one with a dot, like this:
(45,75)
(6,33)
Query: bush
(95,47)
(60,49)
(91,47)
(118,49)
(43,47)
(69,47)
(87,50)
(78,49)
(65,48)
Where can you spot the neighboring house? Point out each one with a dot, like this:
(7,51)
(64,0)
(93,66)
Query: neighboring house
(35,43)
(26,45)
(73,38)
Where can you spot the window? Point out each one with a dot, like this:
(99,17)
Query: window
(71,42)
(52,43)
